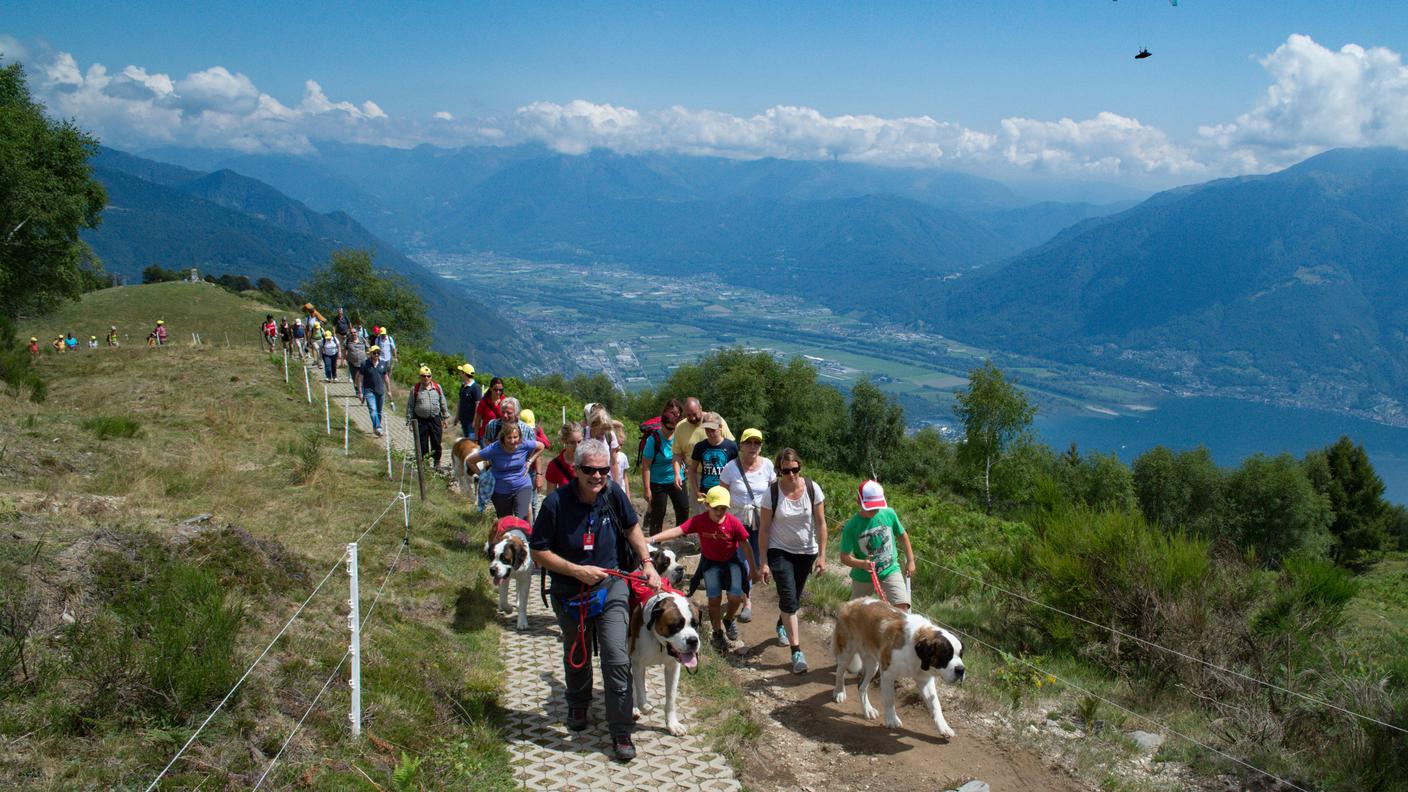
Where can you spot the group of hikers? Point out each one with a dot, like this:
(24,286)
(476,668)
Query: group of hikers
(342,344)
(758,521)
(68,342)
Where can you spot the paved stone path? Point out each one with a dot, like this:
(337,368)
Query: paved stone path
(548,756)
(341,396)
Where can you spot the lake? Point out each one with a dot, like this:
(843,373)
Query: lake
(1232,430)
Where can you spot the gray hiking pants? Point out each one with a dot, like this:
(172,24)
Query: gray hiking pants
(610,640)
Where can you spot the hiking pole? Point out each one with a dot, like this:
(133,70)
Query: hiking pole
(420,460)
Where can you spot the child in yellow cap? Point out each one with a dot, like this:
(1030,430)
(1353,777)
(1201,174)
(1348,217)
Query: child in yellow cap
(722,538)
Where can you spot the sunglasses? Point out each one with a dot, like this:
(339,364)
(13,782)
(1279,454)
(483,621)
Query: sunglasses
(790,471)
(594,471)
(498,390)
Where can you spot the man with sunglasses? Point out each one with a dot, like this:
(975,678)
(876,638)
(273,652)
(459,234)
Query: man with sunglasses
(579,537)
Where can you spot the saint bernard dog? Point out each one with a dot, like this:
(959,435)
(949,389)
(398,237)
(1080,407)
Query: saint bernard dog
(664,630)
(667,565)
(873,636)
(459,452)
(507,550)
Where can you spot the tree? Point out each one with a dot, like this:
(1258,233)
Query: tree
(47,194)
(876,429)
(156,273)
(369,295)
(994,414)
(1179,489)
(1271,508)
(1343,474)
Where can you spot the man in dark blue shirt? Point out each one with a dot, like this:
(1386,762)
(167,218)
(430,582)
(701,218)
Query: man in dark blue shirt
(576,538)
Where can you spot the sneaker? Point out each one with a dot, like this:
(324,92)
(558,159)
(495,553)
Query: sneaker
(378,431)
(576,718)
(799,662)
(746,614)
(731,629)
(622,747)
(717,640)
(782,636)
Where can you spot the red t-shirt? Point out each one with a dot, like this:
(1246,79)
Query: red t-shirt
(560,470)
(487,411)
(717,541)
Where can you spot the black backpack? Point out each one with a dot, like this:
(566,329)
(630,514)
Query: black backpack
(811,497)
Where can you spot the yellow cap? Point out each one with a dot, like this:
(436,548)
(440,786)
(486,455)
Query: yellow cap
(374,348)
(32,339)
(466,369)
(425,371)
(92,338)
(528,417)
(327,334)
(718,496)
(160,322)
(750,434)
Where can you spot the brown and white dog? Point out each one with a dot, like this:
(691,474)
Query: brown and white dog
(459,452)
(873,636)
(509,559)
(667,565)
(664,630)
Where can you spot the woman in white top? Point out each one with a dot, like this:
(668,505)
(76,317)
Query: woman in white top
(793,534)
(746,478)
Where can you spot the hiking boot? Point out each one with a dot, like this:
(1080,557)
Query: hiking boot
(623,748)
(799,662)
(731,629)
(576,718)
(746,614)
(782,635)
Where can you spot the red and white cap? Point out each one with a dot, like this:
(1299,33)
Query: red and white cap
(872,495)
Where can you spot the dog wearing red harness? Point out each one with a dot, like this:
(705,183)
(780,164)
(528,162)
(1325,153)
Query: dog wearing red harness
(509,559)
(663,631)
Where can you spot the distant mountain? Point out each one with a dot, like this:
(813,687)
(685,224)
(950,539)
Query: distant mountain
(1292,285)
(224,222)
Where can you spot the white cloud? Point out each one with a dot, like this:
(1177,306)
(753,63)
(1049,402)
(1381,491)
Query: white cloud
(1318,98)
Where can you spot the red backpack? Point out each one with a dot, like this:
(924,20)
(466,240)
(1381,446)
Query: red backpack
(648,427)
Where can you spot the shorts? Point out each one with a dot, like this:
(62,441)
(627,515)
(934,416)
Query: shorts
(713,580)
(893,585)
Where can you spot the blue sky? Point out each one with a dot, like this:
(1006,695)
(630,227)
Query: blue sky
(966,66)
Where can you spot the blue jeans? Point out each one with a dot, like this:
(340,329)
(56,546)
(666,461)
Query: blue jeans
(374,401)
(714,584)
(330,366)
(486,488)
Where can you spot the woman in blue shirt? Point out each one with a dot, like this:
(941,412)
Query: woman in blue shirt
(508,458)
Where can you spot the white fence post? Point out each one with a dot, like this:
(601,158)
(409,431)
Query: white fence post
(286,368)
(388,454)
(346,411)
(354,622)
(327,410)
(307,385)
(406,511)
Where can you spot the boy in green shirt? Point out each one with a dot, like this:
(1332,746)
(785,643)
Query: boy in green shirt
(868,539)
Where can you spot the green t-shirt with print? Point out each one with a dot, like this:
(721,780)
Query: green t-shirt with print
(873,539)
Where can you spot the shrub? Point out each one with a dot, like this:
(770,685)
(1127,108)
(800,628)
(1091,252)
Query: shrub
(107,427)
(307,454)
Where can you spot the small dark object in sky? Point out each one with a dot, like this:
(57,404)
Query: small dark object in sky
(1143,53)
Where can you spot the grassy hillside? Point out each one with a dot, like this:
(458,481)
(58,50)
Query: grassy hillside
(123,622)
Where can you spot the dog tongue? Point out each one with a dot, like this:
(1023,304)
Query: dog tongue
(689,660)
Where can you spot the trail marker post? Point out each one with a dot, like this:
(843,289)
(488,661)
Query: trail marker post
(354,623)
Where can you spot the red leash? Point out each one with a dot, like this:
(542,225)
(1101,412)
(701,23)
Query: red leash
(580,642)
(875,581)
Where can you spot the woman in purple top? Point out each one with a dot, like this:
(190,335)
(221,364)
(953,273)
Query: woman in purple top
(508,458)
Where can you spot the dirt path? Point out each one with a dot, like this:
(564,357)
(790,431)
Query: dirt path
(829,745)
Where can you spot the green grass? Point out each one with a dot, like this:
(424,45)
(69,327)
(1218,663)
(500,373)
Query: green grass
(218,432)
(106,427)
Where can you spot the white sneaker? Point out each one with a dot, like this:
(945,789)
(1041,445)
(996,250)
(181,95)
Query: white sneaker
(378,431)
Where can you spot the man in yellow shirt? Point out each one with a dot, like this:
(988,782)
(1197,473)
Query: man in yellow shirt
(687,433)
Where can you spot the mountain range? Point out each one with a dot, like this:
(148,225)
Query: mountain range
(1291,286)
(225,222)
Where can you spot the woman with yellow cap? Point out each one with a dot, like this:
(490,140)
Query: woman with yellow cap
(329,347)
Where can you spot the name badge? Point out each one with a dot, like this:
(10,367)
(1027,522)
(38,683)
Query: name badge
(588,541)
